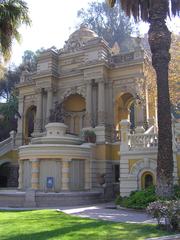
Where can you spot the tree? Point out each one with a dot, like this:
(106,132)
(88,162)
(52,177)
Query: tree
(174,73)
(9,114)
(13,13)
(8,82)
(111,24)
(156,12)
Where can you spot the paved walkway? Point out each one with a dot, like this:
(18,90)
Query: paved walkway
(108,211)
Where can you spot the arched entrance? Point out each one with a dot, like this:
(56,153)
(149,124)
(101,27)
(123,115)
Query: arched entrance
(75,107)
(8,175)
(147,180)
(124,109)
(29,122)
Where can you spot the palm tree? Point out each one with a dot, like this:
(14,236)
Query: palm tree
(155,12)
(13,13)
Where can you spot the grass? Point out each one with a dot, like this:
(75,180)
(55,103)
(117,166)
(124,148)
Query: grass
(53,225)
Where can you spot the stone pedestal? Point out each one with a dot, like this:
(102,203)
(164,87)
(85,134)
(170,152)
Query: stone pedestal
(125,127)
(100,134)
(55,129)
(30,198)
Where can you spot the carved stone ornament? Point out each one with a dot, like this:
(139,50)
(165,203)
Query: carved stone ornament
(58,113)
(78,39)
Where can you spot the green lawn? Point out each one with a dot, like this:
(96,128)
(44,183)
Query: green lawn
(53,225)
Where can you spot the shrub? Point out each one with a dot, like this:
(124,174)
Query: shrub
(169,211)
(141,199)
(118,200)
(138,199)
(89,136)
(177,191)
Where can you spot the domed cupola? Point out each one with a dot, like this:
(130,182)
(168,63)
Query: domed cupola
(79,38)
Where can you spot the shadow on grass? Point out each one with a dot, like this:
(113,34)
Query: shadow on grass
(42,225)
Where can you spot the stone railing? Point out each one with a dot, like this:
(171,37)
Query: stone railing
(8,144)
(143,140)
(127,57)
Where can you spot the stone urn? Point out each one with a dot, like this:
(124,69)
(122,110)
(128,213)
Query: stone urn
(55,129)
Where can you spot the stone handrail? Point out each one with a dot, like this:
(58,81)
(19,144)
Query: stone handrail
(142,141)
(8,144)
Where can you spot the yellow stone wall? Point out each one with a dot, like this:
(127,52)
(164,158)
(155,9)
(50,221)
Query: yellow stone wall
(107,152)
(75,103)
(132,162)
(12,155)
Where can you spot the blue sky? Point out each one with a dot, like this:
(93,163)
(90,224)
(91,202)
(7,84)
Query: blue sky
(52,22)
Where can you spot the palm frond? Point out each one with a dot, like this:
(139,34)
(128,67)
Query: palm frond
(175,7)
(13,13)
(140,9)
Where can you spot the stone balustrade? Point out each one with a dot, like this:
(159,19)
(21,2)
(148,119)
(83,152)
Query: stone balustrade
(144,141)
(8,144)
(128,57)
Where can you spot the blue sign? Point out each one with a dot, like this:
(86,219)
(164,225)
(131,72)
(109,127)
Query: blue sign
(50,182)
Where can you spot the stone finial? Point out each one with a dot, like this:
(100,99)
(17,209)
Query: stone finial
(115,49)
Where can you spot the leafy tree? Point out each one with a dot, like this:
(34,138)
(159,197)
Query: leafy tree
(29,59)
(12,75)
(156,12)
(7,84)
(8,122)
(111,24)
(13,13)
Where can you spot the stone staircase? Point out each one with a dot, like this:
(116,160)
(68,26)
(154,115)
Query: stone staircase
(8,144)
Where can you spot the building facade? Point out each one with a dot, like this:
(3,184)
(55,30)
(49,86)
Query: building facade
(102,90)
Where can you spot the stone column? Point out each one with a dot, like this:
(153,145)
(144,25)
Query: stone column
(65,174)
(38,119)
(87,175)
(125,126)
(19,135)
(20,179)
(88,103)
(35,174)
(139,114)
(101,102)
(49,103)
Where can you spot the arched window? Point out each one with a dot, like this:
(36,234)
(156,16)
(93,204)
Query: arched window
(29,121)
(147,180)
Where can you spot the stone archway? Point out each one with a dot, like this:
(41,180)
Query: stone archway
(147,179)
(8,174)
(75,108)
(123,109)
(29,122)
(142,168)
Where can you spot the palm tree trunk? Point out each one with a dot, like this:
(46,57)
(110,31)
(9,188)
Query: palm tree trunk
(160,40)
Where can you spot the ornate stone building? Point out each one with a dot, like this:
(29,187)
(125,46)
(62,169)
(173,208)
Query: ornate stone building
(101,89)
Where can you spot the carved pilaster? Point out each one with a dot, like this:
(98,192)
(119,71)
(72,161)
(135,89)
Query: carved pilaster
(88,116)
(101,102)
(38,119)
(20,179)
(65,174)
(35,174)
(49,103)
